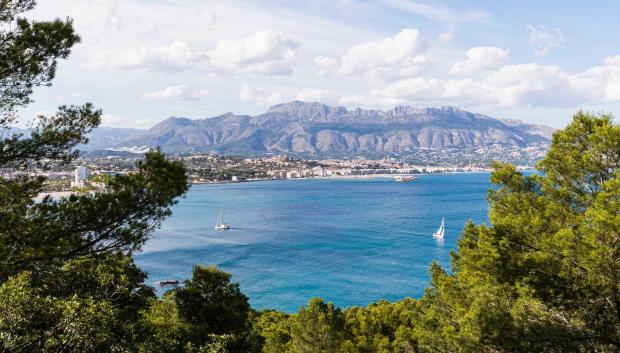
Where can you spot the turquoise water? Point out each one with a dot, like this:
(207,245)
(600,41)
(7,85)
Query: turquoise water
(352,242)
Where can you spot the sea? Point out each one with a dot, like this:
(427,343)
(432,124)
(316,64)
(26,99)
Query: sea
(349,241)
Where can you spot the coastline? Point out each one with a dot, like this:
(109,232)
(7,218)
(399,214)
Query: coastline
(60,194)
(340,177)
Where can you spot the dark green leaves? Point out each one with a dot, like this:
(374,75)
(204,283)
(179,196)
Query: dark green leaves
(29,52)
(67,280)
(544,276)
(52,139)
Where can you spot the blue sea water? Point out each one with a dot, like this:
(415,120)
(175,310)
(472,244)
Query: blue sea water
(352,241)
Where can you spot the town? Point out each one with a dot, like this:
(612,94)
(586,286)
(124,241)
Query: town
(88,173)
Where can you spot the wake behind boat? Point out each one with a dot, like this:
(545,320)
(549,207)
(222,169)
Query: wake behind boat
(220,225)
(439,233)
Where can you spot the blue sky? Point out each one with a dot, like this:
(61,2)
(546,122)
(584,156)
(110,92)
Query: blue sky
(142,61)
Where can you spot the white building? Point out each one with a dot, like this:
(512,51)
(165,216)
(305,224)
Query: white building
(318,171)
(292,174)
(80,175)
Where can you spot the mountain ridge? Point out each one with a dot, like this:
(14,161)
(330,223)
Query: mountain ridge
(319,130)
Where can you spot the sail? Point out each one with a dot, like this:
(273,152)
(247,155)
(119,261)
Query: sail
(440,231)
(219,219)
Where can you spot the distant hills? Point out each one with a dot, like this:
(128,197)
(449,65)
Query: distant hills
(106,137)
(100,139)
(318,130)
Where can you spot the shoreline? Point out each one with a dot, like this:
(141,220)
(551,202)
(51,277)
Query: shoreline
(59,194)
(341,177)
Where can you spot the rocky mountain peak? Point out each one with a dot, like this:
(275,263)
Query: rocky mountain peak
(318,130)
(307,110)
(402,110)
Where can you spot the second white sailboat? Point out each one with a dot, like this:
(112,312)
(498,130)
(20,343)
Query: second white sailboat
(439,233)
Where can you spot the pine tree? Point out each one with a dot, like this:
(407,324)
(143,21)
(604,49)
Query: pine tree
(67,280)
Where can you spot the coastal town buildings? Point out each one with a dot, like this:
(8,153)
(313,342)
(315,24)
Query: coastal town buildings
(92,172)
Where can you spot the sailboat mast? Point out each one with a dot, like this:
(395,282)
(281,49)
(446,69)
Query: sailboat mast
(219,218)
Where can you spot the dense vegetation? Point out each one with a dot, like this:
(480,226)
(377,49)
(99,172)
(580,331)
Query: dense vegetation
(543,277)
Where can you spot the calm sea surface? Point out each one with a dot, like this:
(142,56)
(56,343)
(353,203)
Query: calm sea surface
(352,242)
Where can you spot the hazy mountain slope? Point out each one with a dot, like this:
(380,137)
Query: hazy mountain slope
(314,129)
(100,138)
(104,137)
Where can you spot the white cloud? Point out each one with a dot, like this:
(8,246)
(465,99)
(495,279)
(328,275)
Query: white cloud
(530,84)
(260,97)
(437,13)
(73,96)
(602,82)
(264,52)
(315,95)
(179,92)
(97,17)
(145,54)
(480,59)
(177,56)
(392,57)
(510,86)
(419,91)
(445,38)
(326,66)
(125,121)
(112,22)
(551,86)
(612,88)
(545,39)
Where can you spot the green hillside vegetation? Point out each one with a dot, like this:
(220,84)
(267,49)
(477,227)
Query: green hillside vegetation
(543,277)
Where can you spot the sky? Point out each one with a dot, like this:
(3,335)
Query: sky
(142,61)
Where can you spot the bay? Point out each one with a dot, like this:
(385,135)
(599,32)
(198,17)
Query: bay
(350,241)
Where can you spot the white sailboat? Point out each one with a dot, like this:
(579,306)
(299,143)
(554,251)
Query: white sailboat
(220,225)
(440,231)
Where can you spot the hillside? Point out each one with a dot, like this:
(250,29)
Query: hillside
(318,130)
(314,129)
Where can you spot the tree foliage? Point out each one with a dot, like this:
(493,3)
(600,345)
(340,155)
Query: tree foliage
(209,313)
(29,53)
(542,276)
(67,279)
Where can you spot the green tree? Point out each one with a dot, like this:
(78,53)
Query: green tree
(275,329)
(67,280)
(545,276)
(212,303)
(29,51)
(383,327)
(32,321)
(207,312)
(317,328)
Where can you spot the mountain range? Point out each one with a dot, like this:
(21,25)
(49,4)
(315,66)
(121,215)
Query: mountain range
(313,129)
